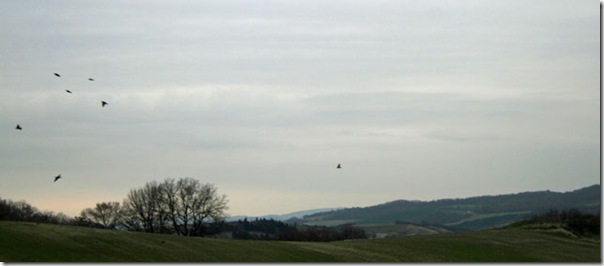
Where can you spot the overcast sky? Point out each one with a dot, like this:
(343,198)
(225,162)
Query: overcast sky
(417,100)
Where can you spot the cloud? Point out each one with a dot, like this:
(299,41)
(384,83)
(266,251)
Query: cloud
(463,136)
(425,96)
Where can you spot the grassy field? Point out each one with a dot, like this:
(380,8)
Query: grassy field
(483,216)
(399,230)
(28,242)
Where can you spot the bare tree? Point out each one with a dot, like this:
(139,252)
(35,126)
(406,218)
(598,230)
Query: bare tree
(107,214)
(208,206)
(141,208)
(180,206)
(22,211)
(171,204)
(189,204)
(186,196)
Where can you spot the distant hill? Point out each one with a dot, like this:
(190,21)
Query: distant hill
(281,217)
(463,214)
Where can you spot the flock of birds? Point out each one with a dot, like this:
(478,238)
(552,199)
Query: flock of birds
(103,104)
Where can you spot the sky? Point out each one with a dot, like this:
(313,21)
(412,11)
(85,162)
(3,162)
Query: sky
(417,100)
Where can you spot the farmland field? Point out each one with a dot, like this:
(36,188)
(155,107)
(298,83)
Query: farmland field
(30,242)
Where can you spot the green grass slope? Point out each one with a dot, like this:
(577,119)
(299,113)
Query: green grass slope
(28,242)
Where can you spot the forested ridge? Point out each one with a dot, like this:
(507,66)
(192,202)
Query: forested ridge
(453,212)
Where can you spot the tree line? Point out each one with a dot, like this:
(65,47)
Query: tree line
(269,229)
(572,219)
(23,211)
(324,234)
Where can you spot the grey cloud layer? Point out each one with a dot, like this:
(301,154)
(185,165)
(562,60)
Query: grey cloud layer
(268,94)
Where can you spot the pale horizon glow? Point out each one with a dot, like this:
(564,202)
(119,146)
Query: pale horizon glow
(418,100)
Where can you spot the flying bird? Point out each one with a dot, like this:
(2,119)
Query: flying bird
(57,74)
(339,166)
(18,127)
(91,79)
(57,178)
(68,91)
(103,103)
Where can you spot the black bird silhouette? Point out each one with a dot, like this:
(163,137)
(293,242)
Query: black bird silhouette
(68,91)
(91,79)
(339,166)
(103,103)
(57,178)
(57,74)
(18,127)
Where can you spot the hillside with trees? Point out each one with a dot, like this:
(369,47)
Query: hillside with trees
(572,221)
(464,214)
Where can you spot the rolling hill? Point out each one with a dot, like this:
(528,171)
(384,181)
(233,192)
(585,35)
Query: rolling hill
(30,242)
(280,217)
(473,213)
